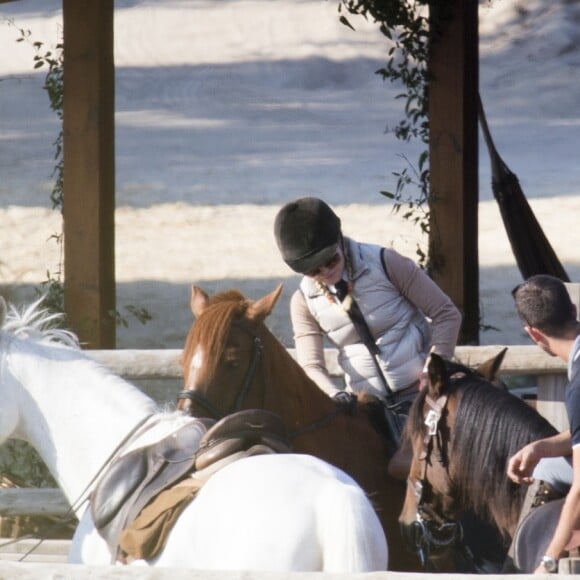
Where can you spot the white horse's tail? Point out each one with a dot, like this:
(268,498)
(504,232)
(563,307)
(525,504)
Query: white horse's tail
(350,531)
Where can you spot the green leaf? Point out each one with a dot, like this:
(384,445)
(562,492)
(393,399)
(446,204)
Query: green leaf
(344,21)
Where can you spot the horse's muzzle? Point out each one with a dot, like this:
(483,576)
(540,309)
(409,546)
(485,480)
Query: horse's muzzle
(435,545)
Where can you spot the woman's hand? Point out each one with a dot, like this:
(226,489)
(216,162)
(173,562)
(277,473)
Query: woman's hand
(346,400)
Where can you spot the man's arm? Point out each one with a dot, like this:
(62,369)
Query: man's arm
(569,518)
(522,464)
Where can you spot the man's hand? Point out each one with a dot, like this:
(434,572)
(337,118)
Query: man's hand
(522,464)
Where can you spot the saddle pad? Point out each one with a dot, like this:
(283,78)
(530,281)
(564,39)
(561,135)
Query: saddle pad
(145,537)
(534,534)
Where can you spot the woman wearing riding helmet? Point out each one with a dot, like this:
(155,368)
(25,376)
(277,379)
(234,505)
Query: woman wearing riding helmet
(407,314)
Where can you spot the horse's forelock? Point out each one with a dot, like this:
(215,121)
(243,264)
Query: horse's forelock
(210,330)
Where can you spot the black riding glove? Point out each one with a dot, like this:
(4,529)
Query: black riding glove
(346,401)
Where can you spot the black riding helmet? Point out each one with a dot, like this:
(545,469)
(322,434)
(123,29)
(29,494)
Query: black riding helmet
(307,233)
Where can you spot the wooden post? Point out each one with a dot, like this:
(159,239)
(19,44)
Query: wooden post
(89,171)
(551,387)
(453,151)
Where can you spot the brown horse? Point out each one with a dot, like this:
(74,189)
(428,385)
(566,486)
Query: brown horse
(463,430)
(231,361)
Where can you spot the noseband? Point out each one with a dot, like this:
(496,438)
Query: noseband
(195,397)
(432,534)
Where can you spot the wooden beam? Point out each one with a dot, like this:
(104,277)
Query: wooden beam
(453,152)
(33,502)
(89,171)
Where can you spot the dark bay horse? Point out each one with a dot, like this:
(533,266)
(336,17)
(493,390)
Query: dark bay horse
(463,430)
(231,361)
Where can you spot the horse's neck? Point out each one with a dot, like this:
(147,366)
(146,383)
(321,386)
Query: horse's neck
(74,413)
(314,422)
(290,392)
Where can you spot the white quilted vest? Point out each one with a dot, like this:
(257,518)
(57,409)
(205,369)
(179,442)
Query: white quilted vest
(401,331)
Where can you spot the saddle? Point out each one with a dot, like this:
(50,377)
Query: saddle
(534,534)
(134,480)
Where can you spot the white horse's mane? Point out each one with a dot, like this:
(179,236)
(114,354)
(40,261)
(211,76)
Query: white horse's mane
(37,322)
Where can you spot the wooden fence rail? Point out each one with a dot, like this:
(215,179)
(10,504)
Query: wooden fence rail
(164,364)
(549,373)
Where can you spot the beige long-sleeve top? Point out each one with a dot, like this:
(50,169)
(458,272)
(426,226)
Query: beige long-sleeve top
(414,284)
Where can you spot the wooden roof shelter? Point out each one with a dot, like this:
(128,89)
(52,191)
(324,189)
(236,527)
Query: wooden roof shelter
(89,167)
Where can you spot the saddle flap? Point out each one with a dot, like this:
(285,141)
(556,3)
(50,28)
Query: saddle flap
(118,484)
(534,534)
(132,479)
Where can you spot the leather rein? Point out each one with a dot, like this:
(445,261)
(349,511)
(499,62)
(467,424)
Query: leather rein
(433,534)
(257,352)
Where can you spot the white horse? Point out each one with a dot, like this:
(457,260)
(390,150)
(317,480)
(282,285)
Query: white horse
(281,512)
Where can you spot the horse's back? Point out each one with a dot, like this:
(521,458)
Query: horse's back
(295,512)
(280,512)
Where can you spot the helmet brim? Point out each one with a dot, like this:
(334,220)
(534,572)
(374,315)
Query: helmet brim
(306,264)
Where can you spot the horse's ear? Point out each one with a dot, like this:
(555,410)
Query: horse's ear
(262,308)
(198,300)
(437,375)
(490,368)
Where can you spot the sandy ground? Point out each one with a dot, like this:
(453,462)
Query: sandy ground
(225,110)
(164,249)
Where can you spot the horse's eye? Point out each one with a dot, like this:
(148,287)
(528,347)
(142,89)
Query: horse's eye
(232,358)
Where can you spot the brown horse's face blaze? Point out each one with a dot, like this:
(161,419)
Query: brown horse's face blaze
(429,484)
(221,384)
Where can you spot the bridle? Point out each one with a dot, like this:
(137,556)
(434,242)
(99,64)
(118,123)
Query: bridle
(257,351)
(433,535)
(202,400)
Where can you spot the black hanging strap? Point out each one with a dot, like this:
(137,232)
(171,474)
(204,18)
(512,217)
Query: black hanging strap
(530,246)
(356,316)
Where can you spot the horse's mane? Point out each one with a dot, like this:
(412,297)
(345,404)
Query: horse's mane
(490,426)
(38,323)
(212,326)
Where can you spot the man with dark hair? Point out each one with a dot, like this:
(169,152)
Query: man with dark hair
(549,318)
